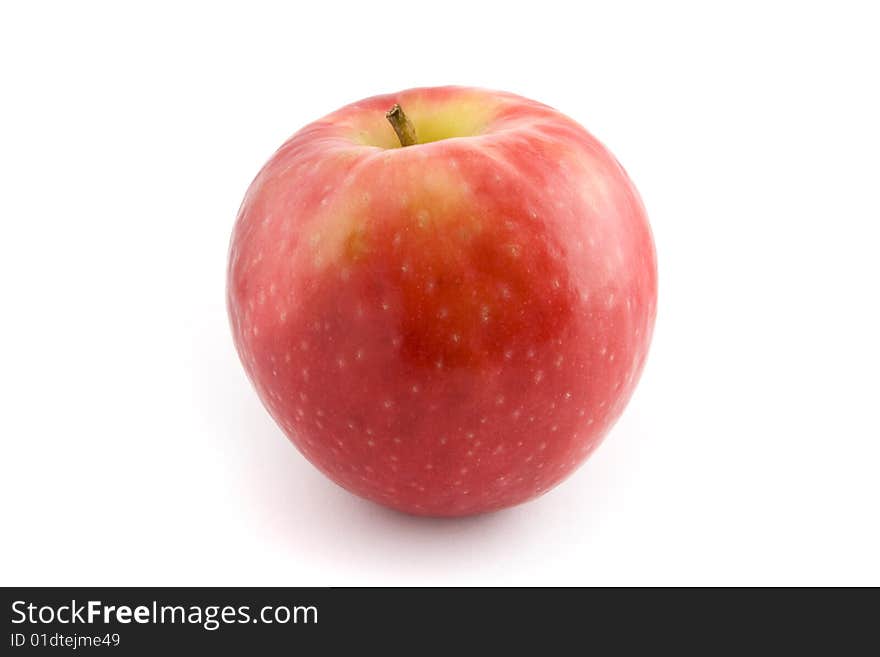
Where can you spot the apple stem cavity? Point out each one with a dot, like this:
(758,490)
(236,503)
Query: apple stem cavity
(406,131)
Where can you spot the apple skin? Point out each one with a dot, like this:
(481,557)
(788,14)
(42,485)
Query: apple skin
(451,327)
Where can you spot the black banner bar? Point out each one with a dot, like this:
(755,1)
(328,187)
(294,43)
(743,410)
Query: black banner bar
(406,621)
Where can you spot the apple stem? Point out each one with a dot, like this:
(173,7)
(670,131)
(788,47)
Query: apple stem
(404,128)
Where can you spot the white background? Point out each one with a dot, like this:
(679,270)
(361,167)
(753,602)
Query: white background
(133,448)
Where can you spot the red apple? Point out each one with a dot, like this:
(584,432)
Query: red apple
(446,322)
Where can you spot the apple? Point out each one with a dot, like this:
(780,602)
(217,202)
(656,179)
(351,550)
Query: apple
(443,296)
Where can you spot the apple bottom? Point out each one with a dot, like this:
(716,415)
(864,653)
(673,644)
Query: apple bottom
(434,438)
